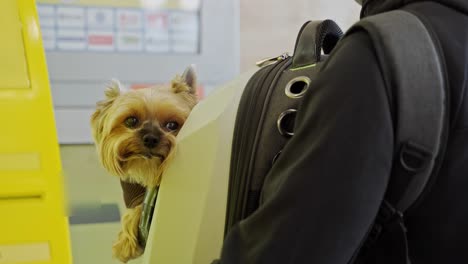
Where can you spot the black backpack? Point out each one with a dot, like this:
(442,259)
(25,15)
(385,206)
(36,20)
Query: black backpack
(409,56)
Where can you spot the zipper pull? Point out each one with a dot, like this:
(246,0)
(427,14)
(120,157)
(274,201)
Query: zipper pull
(272,60)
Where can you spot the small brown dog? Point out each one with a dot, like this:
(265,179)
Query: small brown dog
(135,135)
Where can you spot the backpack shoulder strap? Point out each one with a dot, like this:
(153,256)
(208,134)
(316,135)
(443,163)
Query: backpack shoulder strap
(412,66)
(414,73)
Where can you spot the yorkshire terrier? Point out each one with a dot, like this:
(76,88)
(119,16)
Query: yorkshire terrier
(135,135)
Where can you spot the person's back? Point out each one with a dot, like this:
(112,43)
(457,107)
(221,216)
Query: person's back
(322,195)
(438,225)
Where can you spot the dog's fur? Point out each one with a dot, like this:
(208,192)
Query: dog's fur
(125,127)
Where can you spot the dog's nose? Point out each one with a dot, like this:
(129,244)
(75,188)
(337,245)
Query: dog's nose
(150,141)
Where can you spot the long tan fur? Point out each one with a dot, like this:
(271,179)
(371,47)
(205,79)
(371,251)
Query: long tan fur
(121,149)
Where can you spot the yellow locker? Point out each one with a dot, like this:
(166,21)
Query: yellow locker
(33,220)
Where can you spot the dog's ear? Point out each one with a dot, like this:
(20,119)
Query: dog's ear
(190,78)
(187,82)
(113,90)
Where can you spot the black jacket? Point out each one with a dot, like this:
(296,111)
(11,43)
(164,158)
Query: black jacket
(324,191)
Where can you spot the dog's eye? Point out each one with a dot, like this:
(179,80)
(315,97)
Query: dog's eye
(171,126)
(131,122)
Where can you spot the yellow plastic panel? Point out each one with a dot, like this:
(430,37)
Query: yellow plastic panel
(19,161)
(15,253)
(14,73)
(32,204)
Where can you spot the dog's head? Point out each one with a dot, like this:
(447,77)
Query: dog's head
(135,130)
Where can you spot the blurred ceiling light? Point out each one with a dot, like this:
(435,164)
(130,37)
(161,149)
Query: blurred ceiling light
(190,4)
(176,4)
(153,4)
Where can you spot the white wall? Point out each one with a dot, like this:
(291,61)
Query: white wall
(269,27)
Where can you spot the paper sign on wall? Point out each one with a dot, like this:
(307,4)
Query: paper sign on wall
(119,29)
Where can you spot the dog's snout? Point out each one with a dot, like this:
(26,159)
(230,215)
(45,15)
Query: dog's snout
(150,140)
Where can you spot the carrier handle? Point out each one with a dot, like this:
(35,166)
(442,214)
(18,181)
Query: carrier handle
(314,37)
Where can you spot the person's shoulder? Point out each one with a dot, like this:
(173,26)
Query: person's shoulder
(350,81)
(353,64)
(353,49)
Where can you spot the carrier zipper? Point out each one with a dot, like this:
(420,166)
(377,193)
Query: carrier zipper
(272,60)
(252,148)
(240,130)
(241,184)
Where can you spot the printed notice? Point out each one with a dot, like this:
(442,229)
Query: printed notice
(130,41)
(46,16)
(100,18)
(71,39)
(71,17)
(78,27)
(156,20)
(100,40)
(157,32)
(48,38)
(157,42)
(184,21)
(184,30)
(129,19)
